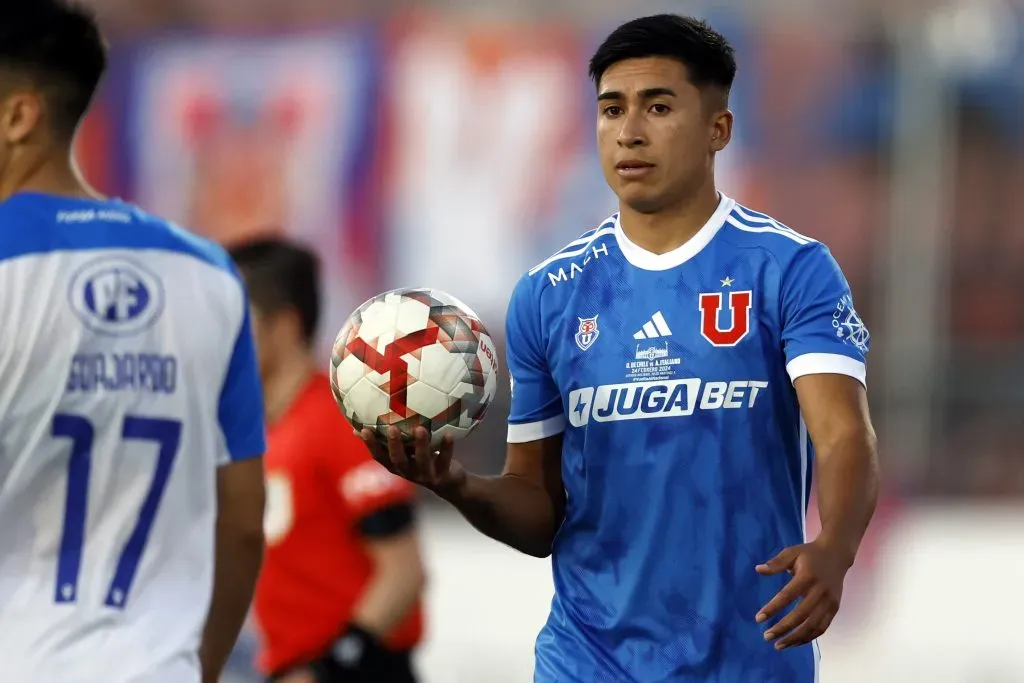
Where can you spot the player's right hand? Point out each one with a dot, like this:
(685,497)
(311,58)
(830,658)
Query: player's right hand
(431,468)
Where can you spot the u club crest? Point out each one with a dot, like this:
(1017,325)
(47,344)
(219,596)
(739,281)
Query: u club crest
(587,333)
(738,314)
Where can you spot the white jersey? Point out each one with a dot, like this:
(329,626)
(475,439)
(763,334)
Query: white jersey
(127,376)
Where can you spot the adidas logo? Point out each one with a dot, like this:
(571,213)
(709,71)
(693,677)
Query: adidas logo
(654,328)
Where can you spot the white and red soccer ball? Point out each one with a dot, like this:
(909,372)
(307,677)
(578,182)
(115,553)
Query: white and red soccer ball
(411,358)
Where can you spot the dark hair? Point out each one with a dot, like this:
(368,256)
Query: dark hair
(707,55)
(282,275)
(57,45)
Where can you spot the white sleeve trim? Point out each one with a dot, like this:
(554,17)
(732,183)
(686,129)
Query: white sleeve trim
(534,431)
(827,363)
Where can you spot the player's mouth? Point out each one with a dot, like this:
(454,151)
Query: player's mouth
(633,168)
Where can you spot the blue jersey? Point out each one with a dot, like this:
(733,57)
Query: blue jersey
(128,376)
(685,460)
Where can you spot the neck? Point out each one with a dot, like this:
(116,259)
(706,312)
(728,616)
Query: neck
(669,228)
(56,175)
(282,386)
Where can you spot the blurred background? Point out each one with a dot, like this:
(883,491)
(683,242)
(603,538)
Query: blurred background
(449,143)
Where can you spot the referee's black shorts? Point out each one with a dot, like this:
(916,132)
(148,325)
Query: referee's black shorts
(387,667)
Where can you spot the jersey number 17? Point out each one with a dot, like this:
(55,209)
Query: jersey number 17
(167,435)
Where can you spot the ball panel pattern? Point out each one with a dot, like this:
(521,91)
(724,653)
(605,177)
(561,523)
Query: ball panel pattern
(414,358)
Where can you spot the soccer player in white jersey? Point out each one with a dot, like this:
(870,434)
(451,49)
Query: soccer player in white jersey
(669,367)
(131,428)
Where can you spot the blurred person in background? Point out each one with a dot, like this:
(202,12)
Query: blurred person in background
(131,412)
(339,596)
(671,370)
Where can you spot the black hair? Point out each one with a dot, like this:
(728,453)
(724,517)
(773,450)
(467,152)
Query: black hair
(282,275)
(57,46)
(707,55)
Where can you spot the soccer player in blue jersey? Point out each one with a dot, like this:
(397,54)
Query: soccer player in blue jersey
(676,372)
(131,412)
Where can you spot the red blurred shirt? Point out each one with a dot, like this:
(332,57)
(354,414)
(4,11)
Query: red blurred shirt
(321,480)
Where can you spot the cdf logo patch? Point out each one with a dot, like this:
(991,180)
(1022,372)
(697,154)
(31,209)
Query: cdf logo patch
(587,333)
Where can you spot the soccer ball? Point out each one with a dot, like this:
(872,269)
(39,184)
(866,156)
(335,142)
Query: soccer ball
(411,358)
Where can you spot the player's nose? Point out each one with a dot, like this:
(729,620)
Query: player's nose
(631,135)
(631,142)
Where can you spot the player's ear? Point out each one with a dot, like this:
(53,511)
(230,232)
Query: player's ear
(721,130)
(20,114)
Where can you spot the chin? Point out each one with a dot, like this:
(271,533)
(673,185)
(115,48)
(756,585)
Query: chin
(642,200)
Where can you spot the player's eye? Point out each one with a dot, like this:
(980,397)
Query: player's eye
(660,108)
(612,111)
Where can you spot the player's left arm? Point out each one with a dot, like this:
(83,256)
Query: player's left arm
(835,408)
(825,343)
(239,543)
(387,523)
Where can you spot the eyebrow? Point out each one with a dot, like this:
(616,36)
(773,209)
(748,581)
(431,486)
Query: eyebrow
(645,94)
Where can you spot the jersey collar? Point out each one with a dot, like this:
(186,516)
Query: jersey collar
(641,258)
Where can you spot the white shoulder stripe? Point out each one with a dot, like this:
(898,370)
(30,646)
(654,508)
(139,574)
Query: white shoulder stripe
(755,217)
(580,245)
(767,228)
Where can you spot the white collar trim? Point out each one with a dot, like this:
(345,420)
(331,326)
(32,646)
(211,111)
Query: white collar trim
(645,260)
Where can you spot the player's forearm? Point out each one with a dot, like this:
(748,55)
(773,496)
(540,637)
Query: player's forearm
(238,561)
(848,482)
(388,599)
(510,509)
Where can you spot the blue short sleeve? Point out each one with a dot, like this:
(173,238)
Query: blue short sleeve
(821,330)
(241,398)
(536,411)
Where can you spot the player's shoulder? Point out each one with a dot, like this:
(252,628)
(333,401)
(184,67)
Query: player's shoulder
(570,261)
(170,236)
(154,232)
(749,228)
(50,224)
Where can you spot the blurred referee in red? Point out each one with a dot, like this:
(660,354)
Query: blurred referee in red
(338,600)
